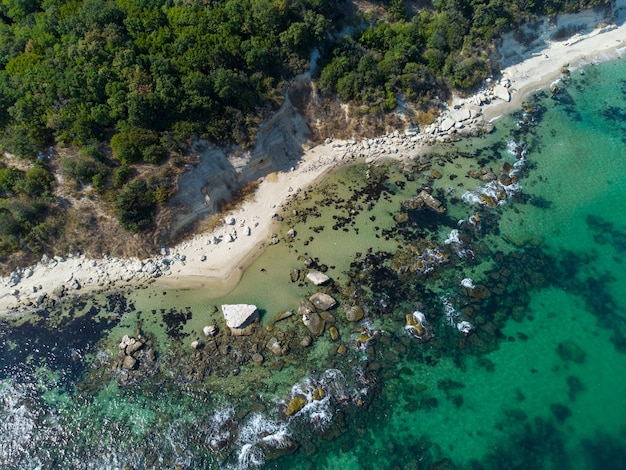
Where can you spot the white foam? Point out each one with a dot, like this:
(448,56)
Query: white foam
(468,283)
(450,312)
(17,421)
(464,327)
(453,237)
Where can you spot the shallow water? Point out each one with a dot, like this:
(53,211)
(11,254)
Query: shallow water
(536,380)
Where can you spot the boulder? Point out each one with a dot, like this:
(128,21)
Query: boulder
(239,316)
(210,330)
(314,323)
(431,202)
(354,313)
(461,115)
(322,301)
(129,363)
(317,278)
(423,199)
(447,124)
(282,316)
(277,347)
(294,275)
(500,92)
(295,405)
(134,347)
(258,358)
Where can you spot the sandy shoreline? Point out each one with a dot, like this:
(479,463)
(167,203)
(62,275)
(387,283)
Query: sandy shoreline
(217,259)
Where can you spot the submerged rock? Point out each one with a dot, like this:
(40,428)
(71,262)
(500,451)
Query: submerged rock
(570,351)
(282,316)
(424,199)
(277,347)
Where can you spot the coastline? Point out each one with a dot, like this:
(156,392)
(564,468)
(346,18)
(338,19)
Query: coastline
(216,259)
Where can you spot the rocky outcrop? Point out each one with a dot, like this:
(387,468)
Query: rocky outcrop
(424,199)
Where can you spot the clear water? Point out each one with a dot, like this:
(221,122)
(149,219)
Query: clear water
(538,381)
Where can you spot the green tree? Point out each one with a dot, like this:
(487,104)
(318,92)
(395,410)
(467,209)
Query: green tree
(135,206)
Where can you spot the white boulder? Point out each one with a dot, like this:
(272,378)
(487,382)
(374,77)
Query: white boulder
(239,315)
(317,278)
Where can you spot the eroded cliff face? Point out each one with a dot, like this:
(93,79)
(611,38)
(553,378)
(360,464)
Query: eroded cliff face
(206,187)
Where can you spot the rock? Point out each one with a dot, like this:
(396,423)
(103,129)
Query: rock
(129,363)
(501,92)
(354,313)
(282,316)
(317,278)
(239,316)
(319,393)
(570,351)
(151,355)
(314,323)
(401,217)
(258,358)
(210,330)
(305,308)
(291,233)
(447,124)
(334,333)
(461,115)
(322,301)
(295,405)
(417,326)
(342,349)
(230,221)
(327,316)
(431,202)
(306,341)
(14,279)
(423,199)
(294,275)
(134,347)
(58,291)
(277,347)
(150,267)
(195,345)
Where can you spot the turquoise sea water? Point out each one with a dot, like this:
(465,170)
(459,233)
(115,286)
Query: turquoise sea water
(520,286)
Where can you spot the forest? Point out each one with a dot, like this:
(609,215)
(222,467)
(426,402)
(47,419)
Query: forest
(125,84)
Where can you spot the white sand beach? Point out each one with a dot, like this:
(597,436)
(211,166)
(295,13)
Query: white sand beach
(217,258)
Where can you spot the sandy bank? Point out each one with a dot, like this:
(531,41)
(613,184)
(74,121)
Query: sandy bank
(217,258)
